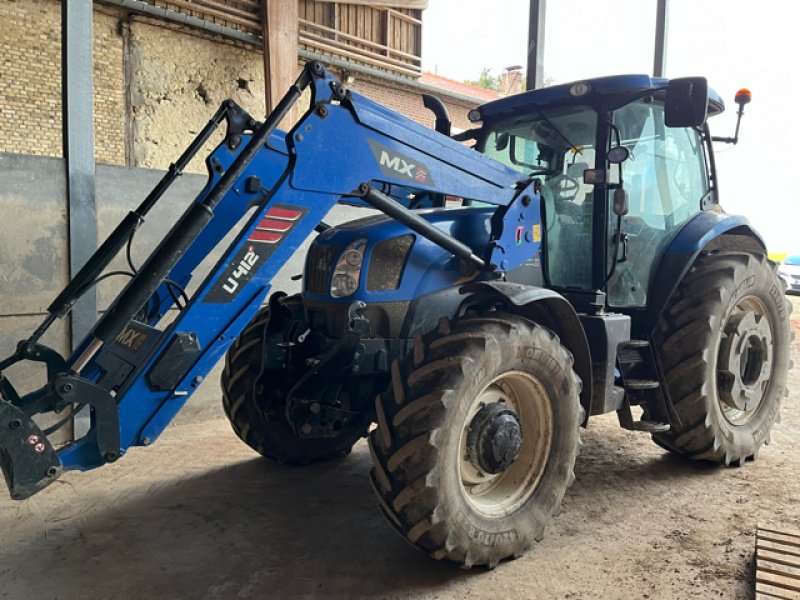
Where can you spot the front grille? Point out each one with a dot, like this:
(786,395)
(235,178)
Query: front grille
(387,262)
(319,263)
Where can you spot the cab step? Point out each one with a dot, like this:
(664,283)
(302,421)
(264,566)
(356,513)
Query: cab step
(650,426)
(637,344)
(641,384)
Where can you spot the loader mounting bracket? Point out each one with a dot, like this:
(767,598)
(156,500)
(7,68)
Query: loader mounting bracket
(75,390)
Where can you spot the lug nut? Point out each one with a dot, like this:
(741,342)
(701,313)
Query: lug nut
(39,447)
(33,439)
(305,429)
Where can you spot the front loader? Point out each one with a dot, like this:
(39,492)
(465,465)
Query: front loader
(566,258)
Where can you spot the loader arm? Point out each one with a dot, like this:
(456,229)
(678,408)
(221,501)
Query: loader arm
(139,366)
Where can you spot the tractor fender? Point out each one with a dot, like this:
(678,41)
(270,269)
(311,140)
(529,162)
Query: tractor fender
(705,231)
(548,308)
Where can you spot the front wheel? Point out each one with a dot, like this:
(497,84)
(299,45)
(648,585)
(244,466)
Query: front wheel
(724,345)
(254,399)
(477,438)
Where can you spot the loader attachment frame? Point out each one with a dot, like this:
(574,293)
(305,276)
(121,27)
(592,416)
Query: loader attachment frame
(136,368)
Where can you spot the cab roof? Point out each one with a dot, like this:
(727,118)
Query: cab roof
(613,89)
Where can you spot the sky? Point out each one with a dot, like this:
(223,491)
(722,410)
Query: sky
(733,43)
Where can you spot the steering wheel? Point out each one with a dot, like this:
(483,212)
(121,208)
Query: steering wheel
(565,187)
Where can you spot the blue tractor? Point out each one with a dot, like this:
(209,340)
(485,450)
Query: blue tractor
(567,257)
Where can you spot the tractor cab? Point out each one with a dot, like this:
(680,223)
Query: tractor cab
(623,164)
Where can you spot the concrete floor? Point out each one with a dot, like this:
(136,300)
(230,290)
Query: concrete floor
(198,515)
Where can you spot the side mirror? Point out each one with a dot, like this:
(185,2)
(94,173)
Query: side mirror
(686,104)
(501,142)
(618,155)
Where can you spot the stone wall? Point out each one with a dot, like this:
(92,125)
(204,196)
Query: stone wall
(178,82)
(179,78)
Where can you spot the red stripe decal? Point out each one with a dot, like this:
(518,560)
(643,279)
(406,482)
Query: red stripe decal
(285,214)
(270,237)
(274,225)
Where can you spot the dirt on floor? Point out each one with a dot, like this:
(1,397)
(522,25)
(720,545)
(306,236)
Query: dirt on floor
(199,515)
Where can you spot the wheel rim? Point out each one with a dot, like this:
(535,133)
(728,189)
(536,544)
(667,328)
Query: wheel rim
(504,492)
(744,363)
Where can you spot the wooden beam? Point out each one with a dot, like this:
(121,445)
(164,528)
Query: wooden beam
(380,62)
(399,4)
(249,21)
(279,28)
(396,14)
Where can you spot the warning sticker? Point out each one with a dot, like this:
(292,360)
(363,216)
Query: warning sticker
(273,228)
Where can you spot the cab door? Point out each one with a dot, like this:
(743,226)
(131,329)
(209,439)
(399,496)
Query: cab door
(666,179)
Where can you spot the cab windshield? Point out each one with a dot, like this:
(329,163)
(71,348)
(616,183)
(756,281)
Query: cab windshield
(556,145)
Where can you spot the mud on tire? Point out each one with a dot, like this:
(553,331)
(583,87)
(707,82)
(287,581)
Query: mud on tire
(426,486)
(724,344)
(254,403)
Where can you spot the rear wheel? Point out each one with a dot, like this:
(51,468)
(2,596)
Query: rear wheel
(477,438)
(255,400)
(724,345)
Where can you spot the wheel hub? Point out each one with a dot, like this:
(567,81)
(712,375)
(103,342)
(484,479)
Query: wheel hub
(494,439)
(745,361)
(505,443)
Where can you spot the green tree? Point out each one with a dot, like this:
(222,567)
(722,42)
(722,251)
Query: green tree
(486,80)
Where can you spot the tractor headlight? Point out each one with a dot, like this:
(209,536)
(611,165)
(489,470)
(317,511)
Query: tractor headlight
(347,273)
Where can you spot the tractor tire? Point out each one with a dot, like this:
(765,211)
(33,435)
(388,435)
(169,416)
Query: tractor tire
(449,470)
(254,403)
(724,343)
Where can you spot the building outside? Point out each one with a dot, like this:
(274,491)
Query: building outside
(157,81)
